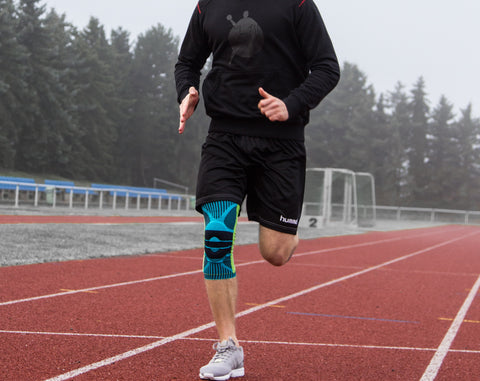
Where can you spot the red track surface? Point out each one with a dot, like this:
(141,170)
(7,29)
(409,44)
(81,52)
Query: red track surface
(378,306)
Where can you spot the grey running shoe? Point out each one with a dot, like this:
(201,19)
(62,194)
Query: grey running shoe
(227,362)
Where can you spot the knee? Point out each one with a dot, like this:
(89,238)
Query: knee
(279,254)
(220,224)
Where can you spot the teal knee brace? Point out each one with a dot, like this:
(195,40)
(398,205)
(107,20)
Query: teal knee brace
(220,225)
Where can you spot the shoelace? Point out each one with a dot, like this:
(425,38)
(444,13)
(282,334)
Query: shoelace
(223,352)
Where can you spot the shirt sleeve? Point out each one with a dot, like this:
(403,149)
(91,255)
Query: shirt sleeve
(193,55)
(324,70)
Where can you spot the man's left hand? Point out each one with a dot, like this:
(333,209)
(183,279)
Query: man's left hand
(272,107)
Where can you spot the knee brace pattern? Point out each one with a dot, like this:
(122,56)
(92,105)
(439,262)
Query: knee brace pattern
(220,226)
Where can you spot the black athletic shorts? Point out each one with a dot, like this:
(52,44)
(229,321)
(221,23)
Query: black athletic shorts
(270,172)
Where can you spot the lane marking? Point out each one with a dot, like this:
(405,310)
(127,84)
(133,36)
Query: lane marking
(193,331)
(259,304)
(168,255)
(465,321)
(193,272)
(134,352)
(87,292)
(371,243)
(268,342)
(353,317)
(73,334)
(437,359)
(337,345)
(305,264)
(129,283)
(432,272)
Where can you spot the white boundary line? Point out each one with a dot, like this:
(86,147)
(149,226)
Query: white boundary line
(74,334)
(182,335)
(437,360)
(129,283)
(268,342)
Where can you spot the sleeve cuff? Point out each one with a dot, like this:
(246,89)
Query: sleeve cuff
(294,106)
(182,95)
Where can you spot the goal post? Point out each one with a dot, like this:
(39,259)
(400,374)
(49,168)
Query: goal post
(332,198)
(366,199)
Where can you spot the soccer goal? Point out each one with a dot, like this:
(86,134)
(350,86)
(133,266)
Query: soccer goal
(335,196)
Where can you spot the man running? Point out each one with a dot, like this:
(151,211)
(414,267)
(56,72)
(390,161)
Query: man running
(273,61)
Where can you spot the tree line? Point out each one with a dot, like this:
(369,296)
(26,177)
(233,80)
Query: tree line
(81,105)
(420,155)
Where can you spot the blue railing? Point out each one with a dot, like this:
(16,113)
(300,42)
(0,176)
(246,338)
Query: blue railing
(65,193)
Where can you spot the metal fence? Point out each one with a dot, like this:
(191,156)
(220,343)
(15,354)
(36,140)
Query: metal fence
(427,215)
(368,215)
(63,196)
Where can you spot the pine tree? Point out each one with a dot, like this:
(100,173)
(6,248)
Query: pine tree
(399,127)
(153,129)
(13,88)
(417,141)
(121,66)
(41,144)
(365,138)
(467,130)
(444,152)
(390,156)
(95,104)
(32,141)
(62,132)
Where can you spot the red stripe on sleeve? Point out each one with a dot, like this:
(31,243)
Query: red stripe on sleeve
(200,11)
(301,3)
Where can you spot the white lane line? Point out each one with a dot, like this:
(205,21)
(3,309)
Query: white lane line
(73,334)
(387,240)
(268,342)
(182,335)
(129,283)
(336,345)
(134,352)
(307,264)
(437,359)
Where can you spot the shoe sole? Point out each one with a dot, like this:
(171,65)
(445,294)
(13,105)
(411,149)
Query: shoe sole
(240,372)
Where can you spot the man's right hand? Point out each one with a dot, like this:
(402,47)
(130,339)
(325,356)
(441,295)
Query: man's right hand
(187,107)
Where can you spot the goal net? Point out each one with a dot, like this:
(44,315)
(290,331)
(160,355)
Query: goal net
(335,196)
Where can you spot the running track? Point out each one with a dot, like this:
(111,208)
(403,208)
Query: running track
(400,305)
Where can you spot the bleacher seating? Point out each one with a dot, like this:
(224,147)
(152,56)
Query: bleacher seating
(23,184)
(62,192)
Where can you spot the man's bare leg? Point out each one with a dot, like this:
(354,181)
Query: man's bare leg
(222,295)
(228,359)
(277,248)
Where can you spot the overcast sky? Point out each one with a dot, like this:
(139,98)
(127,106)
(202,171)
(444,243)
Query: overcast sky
(390,41)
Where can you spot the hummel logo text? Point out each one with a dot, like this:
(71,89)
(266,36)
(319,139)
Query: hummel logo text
(290,221)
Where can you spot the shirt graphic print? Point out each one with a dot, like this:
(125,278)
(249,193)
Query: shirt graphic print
(245,37)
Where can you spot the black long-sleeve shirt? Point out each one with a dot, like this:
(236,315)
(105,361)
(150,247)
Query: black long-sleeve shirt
(280,45)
